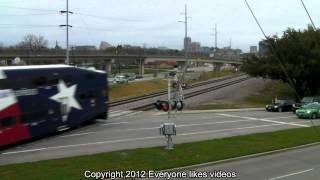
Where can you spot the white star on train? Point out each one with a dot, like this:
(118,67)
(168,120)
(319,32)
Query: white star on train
(66,96)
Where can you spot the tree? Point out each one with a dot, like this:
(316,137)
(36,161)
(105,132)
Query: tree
(293,58)
(33,43)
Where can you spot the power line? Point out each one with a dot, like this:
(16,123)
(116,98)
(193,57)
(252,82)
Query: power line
(305,8)
(108,18)
(279,61)
(273,51)
(30,9)
(40,14)
(29,25)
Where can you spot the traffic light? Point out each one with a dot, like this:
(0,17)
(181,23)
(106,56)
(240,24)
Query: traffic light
(179,105)
(162,105)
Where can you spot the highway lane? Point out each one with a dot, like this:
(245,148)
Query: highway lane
(294,165)
(140,129)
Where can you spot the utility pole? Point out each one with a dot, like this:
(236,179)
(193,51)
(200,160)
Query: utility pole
(216,37)
(215,34)
(185,13)
(67,12)
(186,45)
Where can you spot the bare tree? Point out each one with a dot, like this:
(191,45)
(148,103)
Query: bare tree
(33,43)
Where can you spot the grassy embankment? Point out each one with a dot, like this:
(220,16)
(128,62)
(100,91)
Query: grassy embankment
(260,99)
(157,158)
(124,91)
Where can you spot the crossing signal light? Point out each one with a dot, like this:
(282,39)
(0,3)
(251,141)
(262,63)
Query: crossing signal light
(179,105)
(162,105)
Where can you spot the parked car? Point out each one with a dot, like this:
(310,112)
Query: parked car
(311,110)
(120,79)
(304,101)
(131,76)
(280,106)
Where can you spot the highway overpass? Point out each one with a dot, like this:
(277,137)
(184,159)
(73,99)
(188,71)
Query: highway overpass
(104,62)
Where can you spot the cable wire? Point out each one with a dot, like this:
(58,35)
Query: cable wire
(273,51)
(305,8)
(279,61)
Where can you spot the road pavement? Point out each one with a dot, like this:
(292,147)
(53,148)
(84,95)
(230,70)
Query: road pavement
(294,165)
(129,129)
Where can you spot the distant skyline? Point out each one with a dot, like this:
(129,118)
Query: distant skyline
(152,22)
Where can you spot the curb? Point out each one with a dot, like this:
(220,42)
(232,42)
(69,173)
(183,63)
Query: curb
(191,167)
(215,111)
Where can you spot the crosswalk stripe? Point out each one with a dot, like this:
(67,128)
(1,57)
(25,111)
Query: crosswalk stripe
(123,113)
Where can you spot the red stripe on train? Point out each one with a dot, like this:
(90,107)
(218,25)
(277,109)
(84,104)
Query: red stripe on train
(16,132)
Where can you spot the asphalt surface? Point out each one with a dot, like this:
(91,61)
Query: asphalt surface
(128,129)
(294,165)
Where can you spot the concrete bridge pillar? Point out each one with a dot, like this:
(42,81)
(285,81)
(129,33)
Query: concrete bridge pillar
(217,66)
(141,66)
(108,67)
(181,64)
(236,67)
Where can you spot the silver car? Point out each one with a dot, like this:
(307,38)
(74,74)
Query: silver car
(121,79)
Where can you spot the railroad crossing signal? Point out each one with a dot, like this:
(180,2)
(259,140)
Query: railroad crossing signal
(162,105)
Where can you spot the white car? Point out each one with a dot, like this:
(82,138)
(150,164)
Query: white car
(121,79)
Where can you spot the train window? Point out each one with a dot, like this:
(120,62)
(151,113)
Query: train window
(7,122)
(33,117)
(67,78)
(87,95)
(40,81)
(4,84)
(52,81)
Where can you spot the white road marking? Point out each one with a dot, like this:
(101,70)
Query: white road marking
(150,128)
(265,120)
(111,115)
(79,134)
(79,145)
(134,113)
(119,113)
(114,123)
(132,139)
(292,174)
(231,129)
(284,117)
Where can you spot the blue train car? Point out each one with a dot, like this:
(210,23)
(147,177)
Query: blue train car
(39,100)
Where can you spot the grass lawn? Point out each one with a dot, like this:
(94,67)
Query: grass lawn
(123,91)
(157,158)
(260,99)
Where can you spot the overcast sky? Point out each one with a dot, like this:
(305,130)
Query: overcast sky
(153,22)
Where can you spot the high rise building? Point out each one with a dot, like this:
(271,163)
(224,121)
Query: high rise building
(104,45)
(263,47)
(253,49)
(187,43)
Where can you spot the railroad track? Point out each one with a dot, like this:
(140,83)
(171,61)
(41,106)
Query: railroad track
(152,95)
(195,93)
